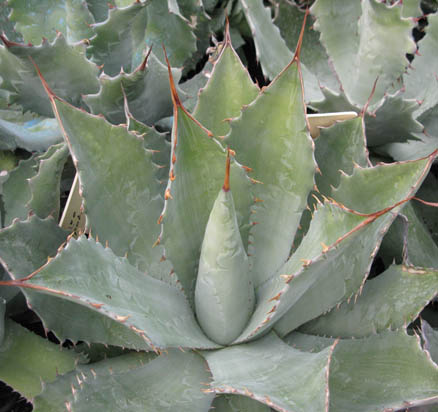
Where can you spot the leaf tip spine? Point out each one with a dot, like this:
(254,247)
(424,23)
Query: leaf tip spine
(175,98)
(47,88)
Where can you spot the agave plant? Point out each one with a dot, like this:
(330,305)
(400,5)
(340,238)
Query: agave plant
(211,312)
(227,269)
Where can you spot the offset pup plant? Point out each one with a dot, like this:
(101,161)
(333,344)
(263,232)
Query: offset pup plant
(211,312)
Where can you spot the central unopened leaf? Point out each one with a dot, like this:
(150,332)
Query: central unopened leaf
(224,294)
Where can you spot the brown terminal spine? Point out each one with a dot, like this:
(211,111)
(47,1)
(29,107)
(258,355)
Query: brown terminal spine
(226,186)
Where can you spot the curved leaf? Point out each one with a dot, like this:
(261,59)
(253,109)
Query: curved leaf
(271,138)
(196,175)
(132,383)
(366,40)
(337,149)
(409,237)
(119,40)
(32,136)
(389,301)
(325,269)
(271,372)
(146,90)
(46,184)
(107,157)
(271,49)
(172,30)
(27,360)
(88,274)
(385,371)
(422,82)
(228,89)
(36,19)
(68,72)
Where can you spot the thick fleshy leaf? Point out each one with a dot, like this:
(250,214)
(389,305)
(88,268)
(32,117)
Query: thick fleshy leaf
(16,191)
(132,383)
(392,119)
(90,275)
(289,20)
(389,301)
(271,372)
(119,40)
(24,247)
(193,86)
(409,237)
(36,19)
(45,185)
(27,360)
(342,146)
(157,143)
(67,70)
(430,338)
(422,82)
(99,8)
(308,343)
(429,192)
(424,144)
(238,403)
(146,90)
(172,30)
(228,89)
(325,269)
(271,138)
(365,40)
(196,175)
(78,21)
(388,371)
(107,157)
(32,135)
(271,49)
(34,185)
(224,293)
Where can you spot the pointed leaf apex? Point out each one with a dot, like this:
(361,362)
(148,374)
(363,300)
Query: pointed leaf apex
(47,88)
(365,108)
(227,32)
(226,186)
(142,66)
(175,97)
(300,39)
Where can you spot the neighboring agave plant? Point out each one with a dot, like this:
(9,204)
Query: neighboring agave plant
(220,312)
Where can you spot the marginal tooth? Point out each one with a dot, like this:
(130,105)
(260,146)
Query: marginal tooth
(325,248)
(122,318)
(276,297)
